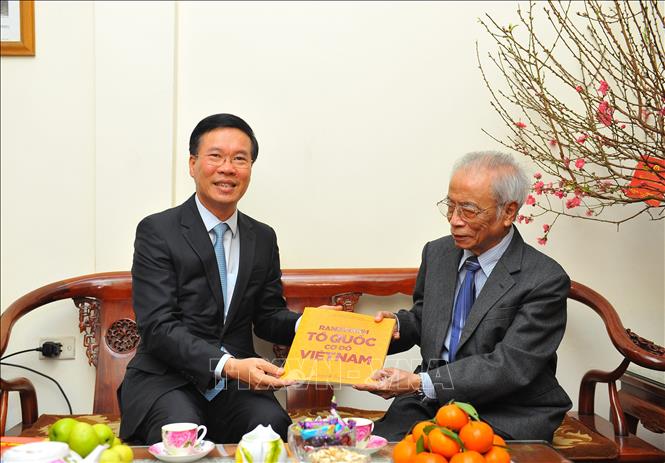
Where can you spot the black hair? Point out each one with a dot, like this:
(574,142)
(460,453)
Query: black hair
(219,121)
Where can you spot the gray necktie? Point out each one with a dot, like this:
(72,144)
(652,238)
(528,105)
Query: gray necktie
(219,230)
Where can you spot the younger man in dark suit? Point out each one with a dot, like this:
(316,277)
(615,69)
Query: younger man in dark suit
(489,313)
(204,274)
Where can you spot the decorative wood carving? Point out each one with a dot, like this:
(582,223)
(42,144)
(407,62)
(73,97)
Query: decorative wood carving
(646,344)
(348,301)
(89,309)
(122,336)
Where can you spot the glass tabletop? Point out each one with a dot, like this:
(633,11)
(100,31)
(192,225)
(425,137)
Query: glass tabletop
(521,452)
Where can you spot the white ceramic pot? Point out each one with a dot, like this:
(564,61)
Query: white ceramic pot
(261,445)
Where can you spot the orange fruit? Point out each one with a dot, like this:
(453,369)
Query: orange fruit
(404,451)
(497,455)
(451,417)
(498,440)
(417,431)
(427,457)
(409,437)
(477,435)
(469,456)
(442,444)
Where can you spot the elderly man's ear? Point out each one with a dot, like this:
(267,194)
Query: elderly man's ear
(509,213)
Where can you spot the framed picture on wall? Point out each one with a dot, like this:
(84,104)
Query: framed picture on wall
(17,26)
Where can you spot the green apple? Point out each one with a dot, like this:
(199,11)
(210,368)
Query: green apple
(116,441)
(83,439)
(60,430)
(104,433)
(125,452)
(109,456)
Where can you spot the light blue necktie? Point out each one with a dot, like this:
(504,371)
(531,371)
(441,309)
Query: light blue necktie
(219,230)
(463,304)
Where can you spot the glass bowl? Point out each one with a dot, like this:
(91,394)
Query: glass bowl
(305,441)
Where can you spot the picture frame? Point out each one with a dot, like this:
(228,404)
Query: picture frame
(17,25)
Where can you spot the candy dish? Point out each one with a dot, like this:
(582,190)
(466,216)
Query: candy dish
(309,435)
(199,451)
(373,445)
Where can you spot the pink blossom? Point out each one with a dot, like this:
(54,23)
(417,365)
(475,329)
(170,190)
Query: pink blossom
(546,228)
(582,138)
(579,163)
(603,88)
(528,219)
(559,194)
(662,111)
(589,212)
(538,187)
(530,201)
(552,143)
(604,113)
(520,124)
(542,241)
(622,126)
(573,202)
(566,162)
(644,114)
(520,218)
(537,175)
(579,89)
(604,185)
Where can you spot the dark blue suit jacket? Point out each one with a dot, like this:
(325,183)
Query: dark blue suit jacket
(177,299)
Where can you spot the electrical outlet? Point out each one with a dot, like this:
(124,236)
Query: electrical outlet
(68,347)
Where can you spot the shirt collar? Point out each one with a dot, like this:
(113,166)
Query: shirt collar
(210,221)
(489,258)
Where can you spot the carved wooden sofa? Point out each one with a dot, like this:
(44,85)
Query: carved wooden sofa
(110,338)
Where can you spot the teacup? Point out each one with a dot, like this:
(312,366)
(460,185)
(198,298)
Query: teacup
(364,429)
(181,438)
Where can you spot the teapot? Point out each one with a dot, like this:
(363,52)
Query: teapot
(262,444)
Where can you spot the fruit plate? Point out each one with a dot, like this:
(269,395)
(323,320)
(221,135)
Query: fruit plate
(157,450)
(374,444)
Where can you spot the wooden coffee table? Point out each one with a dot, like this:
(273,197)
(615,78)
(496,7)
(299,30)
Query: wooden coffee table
(520,452)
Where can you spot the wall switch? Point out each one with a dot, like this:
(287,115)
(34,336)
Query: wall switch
(68,347)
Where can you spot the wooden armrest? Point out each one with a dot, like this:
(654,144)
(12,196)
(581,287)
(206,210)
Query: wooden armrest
(636,349)
(633,348)
(28,396)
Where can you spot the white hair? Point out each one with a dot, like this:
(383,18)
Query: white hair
(510,183)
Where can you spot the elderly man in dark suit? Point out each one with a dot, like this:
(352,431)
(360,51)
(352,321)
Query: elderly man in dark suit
(203,275)
(489,312)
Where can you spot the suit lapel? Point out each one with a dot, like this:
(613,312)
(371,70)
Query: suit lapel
(247,248)
(197,236)
(499,282)
(443,294)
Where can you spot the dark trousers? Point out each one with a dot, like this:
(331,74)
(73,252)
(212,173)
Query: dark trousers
(232,413)
(405,411)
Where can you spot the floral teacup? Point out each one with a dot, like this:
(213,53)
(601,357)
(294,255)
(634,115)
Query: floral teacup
(181,438)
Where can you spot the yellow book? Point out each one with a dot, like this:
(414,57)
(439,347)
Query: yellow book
(335,347)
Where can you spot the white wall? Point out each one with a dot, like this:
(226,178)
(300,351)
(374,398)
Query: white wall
(360,110)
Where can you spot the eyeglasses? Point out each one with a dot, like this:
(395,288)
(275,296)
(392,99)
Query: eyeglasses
(465,210)
(239,161)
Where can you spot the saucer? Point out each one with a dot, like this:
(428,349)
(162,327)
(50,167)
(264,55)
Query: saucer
(201,450)
(374,444)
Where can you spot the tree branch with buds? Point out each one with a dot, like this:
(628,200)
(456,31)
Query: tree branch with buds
(583,95)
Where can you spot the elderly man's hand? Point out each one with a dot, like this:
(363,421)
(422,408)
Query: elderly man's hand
(391,382)
(257,373)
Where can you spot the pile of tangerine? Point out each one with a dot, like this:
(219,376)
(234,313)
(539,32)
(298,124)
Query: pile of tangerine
(455,435)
